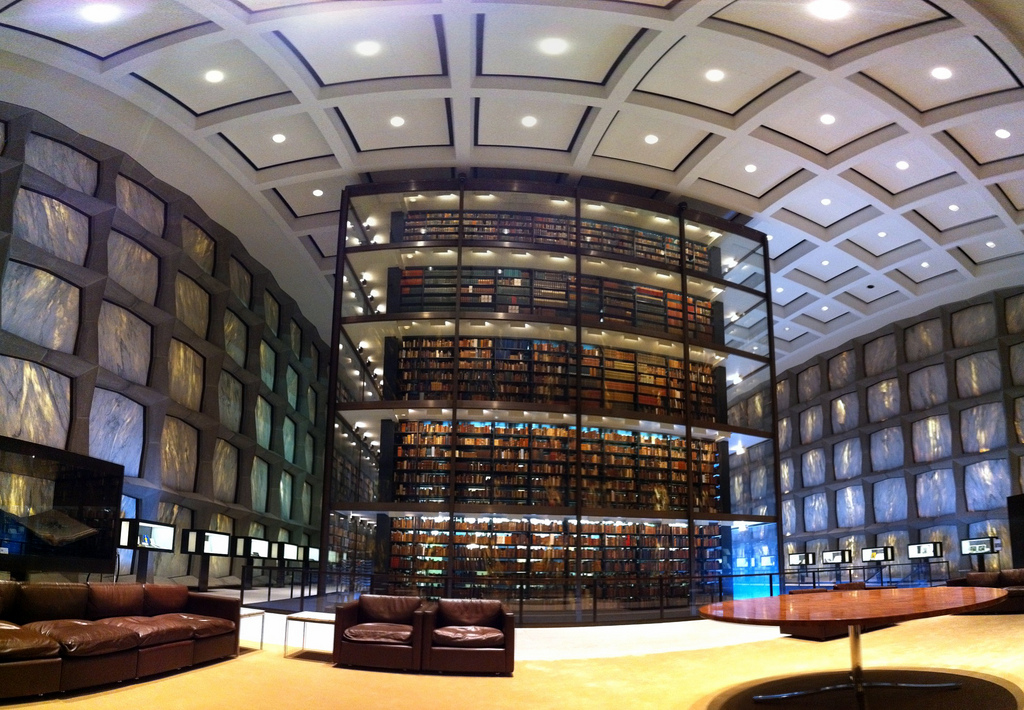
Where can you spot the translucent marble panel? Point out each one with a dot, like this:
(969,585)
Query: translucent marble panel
(789,517)
(39,307)
(1014,310)
(842,369)
(179,455)
(950,539)
(759,411)
(987,484)
(268,364)
(309,452)
(192,305)
(739,493)
(22,496)
(880,355)
(129,507)
(52,226)
(314,359)
(311,404)
(815,512)
(845,413)
(263,422)
(221,566)
(295,337)
(812,468)
(117,430)
(35,402)
(1018,418)
(288,439)
(292,387)
(141,205)
(899,540)
(785,433)
(225,472)
(125,343)
(847,459)
(810,425)
(890,498)
(854,543)
(258,530)
(923,339)
(271,312)
(978,374)
(306,501)
(1001,530)
(236,336)
(782,394)
(133,266)
(931,438)
(230,400)
(809,383)
(883,400)
(1017,364)
(936,493)
(198,245)
(171,564)
(240,281)
(983,428)
(928,387)
(186,368)
(259,482)
(3,136)
(974,325)
(283,535)
(850,507)
(786,470)
(886,449)
(61,162)
(285,491)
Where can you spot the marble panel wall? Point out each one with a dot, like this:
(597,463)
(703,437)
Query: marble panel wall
(285,491)
(782,394)
(306,503)
(983,428)
(35,402)
(258,530)
(22,496)
(899,540)
(932,438)
(987,484)
(192,305)
(141,205)
(850,507)
(923,340)
(950,539)
(268,364)
(788,475)
(847,459)
(842,369)
(125,343)
(785,431)
(1017,364)
(230,402)
(789,516)
(973,325)
(117,430)
(52,226)
(1013,309)
(815,512)
(886,449)
(133,266)
(292,387)
(63,163)
(187,377)
(936,493)
(928,387)
(240,281)
(812,467)
(311,405)
(994,528)
(810,425)
(40,307)
(171,564)
(263,422)
(295,337)
(271,312)
(179,455)
(890,499)
(236,338)
(880,355)
(225,472)
(739,492)
(198,245)
(809,384)
(308,453)
(259,481)
(288,438)
(845,413)
(883,400)
(221,566)
(314,359)
(978,374)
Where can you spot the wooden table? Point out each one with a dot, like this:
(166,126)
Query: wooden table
(853,608)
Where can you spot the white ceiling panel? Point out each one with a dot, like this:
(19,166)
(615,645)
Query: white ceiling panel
(1014,191)
(256,143)
(810,201)
(921,270)
(370,123)
(979,136)
(970,206)
(303,201)
(993,247)
(732,165)
(500,117)
(625,139)
(881,236)
(900,165)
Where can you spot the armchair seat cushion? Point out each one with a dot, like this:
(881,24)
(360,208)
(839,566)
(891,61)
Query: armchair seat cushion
(17,644)
(468,637)
(86,638)
(153,631)
(378,632)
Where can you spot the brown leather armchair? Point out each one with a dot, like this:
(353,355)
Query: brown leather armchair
(379,631)
(469,636)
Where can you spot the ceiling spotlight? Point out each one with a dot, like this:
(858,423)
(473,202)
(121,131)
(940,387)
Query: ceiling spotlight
(214,76)
(1002,133)
(650,139)
(397,121)
(750,168)
(529,121)
(714,75)
(318,193)
(553,45)
(881,234)
(778,290)
(100,12)
(954,208)
(824,308)
(278,138)
(828,119)
(902,165)
(368,48)
(925,264)
(829,9)
(990,245)
(941,73)
(824,262)
(826,202)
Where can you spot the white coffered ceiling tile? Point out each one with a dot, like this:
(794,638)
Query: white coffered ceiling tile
(976,71)
(993,247)
(870,290)
(884,235)
(258,5)
(1014,192)
(302,201)
(180,70)
(730,166)
(137,22)
(499,121)
(624,139)
(328,44)
(510,44)
(783,237)
(902,164)
(978,135)
(808,201)
(426,123)
(971,206)
(748,70)
(867,19)
(256,144)
(826,264)
(928,267)
(785,291)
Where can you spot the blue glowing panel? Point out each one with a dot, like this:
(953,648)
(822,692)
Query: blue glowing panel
(847,459)
(936,493)
(923,340)
(812,466)
(842,369)
(845,413)
(117,430)
(983,428)
(815,512)
(787,474)
(886,449)
(225,471)
(789,516)
(810,425)
(978,374)
(259,479)
(987,484)
(890,499)
(884,400)
(974,325)
(809,383)
(928,387)
(880,355)
(785,434)
(932,438)
(61,162)
(850,507)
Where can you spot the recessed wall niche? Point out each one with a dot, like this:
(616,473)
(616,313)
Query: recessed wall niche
(812,467)
(880,355)
(36,405)
(845,413)
(883,400)
(932,438)
(810,425)
(850,507)
(890,500)
(987,484)
(271,312)
(785,433)
(236,336)
(240,281)
(225,471)
(230,401)
(815,512)
(787,474)
(886,449)
(288,439)
(263,422)
(285,490)
(1013,309)
(847,459)
(809,383)
(40,307)
(268,364)
(186,368)
(259,483)
(117,430)
(179,455)
(936,493)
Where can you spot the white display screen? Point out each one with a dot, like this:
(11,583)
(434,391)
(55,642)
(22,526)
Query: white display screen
(977,546)
(876,554)
(767,561)
(216,543)
(290,552)
(156,537)
(313,555)
(801,559)
(924,550)
(741,561)
(836,557)
(260,548)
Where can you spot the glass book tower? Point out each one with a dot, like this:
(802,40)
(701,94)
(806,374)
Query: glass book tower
(560,398)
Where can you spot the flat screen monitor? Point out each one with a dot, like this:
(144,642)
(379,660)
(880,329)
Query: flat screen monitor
(980,545)
(741,562)
(878,554)
(801,559)
(260,548)
(767,561)
(215,543)
(836,557)
(155,536)
(313,554)
(289,551)
(925,550)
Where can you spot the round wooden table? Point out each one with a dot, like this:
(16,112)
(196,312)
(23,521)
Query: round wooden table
(853,608)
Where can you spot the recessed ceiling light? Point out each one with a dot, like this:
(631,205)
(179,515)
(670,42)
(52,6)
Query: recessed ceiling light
(750,168)
(650,139)
(553,45)
(278,138)
(824,262)
(769,237)
(954,208)
(368,48)
(397,121)
(829,9)
(925,264)
(214,76)
(1002,133)
(826,202)
(902,165)
(881,234)
(714,75)
(828,119)
(529,121)
(318,193)
(824,308)
(100,12)
(778,290)
(990,245)
(941,73)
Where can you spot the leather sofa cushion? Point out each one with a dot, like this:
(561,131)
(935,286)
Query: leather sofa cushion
(164,598)
(106,600)
(85,638)
(202,626)
(1011,578)
(52,600)
(399,634)
(17,644)
(468,612)
(155,630)
(983,579)
(468,637)
(387,609)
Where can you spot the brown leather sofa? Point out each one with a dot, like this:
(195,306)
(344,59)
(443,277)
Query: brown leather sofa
(1012,580)
(379,631)
(469,636)
(66,636)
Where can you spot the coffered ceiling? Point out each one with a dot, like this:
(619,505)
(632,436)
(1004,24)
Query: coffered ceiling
(879,142)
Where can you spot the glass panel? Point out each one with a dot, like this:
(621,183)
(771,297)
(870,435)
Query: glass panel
(37,402)
(240,281)
(236,337)
(886,449)
(845,413)
(815,512)
(124,342)
(812,466)
(225,472)
(890,497)
(61,162)
(263,422)
(192,305)
(186,369)
(179,447)
(987,484)
(928,387)
(850,507)
(936,493)
(973,325)
(923,339)
(978,374)
(809,383)
(884,400)
(842,369)
(141,205)
(268,364)
(259,482)
(932,438)
(52,226)
(133,266)
(983,428)
(810,425)
(199,246)
(286,495)
(271,312)
(117,430)
(1014,309)
(847,459)
(292,387)
(288,435)
(230,401)
(39,307)
(880,355)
